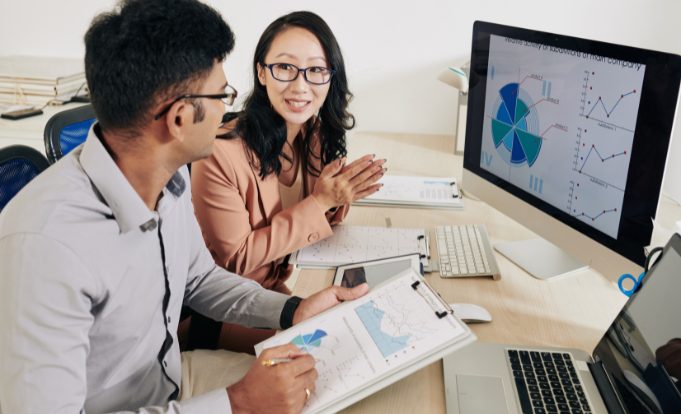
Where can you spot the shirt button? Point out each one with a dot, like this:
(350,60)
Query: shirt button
(165,364)
(313,237)
(168,319)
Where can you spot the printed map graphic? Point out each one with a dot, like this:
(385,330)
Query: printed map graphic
(372,317)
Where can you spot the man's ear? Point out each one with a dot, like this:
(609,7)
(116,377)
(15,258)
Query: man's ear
(261,73)
(180,115)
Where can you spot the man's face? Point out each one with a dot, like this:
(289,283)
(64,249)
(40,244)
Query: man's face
(202,132)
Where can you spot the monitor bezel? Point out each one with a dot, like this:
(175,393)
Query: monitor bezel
(655,118)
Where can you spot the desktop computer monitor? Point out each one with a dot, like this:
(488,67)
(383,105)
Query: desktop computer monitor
(569,137)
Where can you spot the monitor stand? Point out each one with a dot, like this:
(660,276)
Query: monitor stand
(540,258)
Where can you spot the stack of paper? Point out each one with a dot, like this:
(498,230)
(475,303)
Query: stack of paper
(411,191)
(40,80)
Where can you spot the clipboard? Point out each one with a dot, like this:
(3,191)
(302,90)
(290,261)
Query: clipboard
(355,244)
(364,345)
(414,191)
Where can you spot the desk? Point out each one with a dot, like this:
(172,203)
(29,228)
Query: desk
(573,311)
(29,131)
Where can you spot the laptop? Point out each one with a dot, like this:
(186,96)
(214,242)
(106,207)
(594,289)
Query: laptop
(635,368)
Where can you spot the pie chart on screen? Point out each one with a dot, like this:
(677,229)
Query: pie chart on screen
(515,137)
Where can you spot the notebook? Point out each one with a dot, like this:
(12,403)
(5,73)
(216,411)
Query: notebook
(364,345)
(629,370)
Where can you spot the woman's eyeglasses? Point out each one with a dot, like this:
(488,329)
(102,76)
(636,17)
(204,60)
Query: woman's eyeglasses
(286,72)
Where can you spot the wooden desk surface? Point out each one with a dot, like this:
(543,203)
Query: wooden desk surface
(571,311)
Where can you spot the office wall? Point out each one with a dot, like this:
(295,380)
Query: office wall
(393,50)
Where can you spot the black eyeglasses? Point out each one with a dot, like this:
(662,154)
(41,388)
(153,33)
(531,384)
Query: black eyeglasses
(227,98)
(286,72)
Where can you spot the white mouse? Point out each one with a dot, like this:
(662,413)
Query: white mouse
(471,313)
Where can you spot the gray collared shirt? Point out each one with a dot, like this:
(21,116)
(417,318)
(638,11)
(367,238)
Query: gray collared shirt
(91,286)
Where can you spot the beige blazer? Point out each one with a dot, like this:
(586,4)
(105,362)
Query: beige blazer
(242,219)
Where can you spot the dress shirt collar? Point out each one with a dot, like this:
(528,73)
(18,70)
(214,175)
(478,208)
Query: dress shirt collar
(127,206)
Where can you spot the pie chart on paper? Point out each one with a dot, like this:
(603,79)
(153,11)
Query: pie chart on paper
(514,136)
(307,342)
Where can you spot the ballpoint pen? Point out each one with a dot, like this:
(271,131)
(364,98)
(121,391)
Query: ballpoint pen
(275,361)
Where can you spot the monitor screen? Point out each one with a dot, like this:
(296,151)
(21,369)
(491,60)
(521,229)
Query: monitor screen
(641,351)
(576,129)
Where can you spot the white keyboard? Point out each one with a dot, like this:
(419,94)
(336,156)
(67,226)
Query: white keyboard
(464,250)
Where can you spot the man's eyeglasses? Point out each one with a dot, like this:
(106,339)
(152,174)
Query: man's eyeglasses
(227,98)
(286,72)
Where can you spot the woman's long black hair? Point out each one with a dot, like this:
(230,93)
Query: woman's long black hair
(264,130)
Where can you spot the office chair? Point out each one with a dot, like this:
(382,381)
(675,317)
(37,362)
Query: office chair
(19,164)
(66,130)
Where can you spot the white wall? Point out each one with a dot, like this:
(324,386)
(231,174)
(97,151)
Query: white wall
(393,50)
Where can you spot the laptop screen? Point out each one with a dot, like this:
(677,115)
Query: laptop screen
(641,351)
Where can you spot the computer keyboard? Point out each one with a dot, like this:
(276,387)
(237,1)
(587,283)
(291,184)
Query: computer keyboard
(547,382)
(464,250)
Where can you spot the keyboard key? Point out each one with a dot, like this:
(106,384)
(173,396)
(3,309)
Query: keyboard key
(525,403)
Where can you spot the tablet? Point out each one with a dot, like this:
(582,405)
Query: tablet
(375,271)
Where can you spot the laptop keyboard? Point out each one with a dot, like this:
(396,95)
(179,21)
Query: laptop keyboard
(547,382)
(464,250)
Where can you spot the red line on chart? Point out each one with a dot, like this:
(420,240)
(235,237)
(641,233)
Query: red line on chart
(592,149)
(552,126)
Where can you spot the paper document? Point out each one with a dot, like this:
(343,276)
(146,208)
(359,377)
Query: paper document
(352,244)
(364,345)
(416,192)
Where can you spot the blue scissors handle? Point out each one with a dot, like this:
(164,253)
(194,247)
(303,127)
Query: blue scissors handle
(636,282)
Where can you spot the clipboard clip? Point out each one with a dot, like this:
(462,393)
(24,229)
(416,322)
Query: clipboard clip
(424,252)
(455,190)
(442,309)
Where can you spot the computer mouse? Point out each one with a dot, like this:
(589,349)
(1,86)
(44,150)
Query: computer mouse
(471,313)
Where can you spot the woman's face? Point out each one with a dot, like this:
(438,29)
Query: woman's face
(296,101)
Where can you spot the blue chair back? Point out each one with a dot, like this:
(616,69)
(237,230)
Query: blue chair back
(66,130)
(19,164)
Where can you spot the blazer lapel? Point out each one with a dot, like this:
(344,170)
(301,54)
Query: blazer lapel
(268,192)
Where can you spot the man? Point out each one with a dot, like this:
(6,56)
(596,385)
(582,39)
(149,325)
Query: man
(99,252)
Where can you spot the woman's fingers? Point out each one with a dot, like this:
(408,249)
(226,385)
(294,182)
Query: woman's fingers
(369,175)
(367,191)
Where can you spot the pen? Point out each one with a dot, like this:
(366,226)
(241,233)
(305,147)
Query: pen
(275,361)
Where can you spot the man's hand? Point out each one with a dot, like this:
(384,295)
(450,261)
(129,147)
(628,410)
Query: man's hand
(325,299)
(279,388)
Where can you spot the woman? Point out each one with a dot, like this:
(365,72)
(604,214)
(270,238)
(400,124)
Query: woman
(277,179)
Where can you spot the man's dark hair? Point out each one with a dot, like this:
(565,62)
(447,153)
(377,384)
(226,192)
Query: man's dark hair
(264,130)
(149,51)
